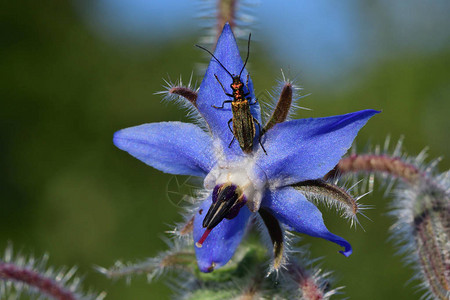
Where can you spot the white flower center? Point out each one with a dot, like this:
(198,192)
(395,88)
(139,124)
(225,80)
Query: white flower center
(243,173)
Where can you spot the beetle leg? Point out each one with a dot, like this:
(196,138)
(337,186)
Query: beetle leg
(230,126)
(260,134)
(226,101)
(231,143)
(229,146)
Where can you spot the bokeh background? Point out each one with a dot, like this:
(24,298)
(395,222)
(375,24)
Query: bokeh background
(74,72)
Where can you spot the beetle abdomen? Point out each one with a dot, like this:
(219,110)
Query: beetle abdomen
(243,125)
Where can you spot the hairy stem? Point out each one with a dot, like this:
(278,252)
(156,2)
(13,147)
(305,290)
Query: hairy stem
(431,233)
(226,12)
(169,259)
(34,279)
(370,163)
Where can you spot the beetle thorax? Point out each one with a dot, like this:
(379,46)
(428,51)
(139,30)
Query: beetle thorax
(238,89)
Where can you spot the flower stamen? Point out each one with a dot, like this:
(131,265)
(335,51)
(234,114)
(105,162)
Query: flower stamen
(200,242)
(228,199)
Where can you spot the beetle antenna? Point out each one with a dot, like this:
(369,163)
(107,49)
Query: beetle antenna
(215,59)
(248,53)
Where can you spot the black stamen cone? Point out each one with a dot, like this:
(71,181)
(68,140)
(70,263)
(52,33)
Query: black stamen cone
(228,197)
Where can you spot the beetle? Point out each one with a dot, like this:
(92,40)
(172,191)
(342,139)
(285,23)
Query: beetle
(243,130)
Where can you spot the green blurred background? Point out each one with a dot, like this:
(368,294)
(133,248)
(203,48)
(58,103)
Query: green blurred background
(65,189)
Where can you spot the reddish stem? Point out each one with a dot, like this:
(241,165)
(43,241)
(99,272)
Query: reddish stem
(226,12)
(44,284)
(393,166)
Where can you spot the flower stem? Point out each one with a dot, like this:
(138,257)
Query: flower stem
(422,213)
(226,12)
(171,259)
(44,284)
(431,234)
(371,163)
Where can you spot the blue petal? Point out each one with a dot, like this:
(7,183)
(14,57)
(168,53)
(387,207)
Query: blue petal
(211,93)
(308,148)
(291,208)
(223,240)
(171,147)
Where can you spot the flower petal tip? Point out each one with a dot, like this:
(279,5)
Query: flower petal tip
(374,111)
(227,33)
(347,252)
(119,139)
(365,113)
(207,268)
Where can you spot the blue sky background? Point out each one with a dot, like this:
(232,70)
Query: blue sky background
(323,39)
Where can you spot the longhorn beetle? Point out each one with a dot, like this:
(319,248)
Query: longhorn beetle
(243,121)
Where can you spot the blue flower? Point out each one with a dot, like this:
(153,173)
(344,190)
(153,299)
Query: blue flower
(241,184)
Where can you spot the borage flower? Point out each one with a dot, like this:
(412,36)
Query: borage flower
(242,184)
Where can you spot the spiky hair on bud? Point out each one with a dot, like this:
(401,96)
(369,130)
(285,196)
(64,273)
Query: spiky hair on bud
(183,229)
(305,280)
(185,96)
(180,93)
(335,196)
(22,275)
(244,278)
(420,208)
(300,277)
(190,205)
(384,164)
(215,14)
(283,102)
(422,232)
